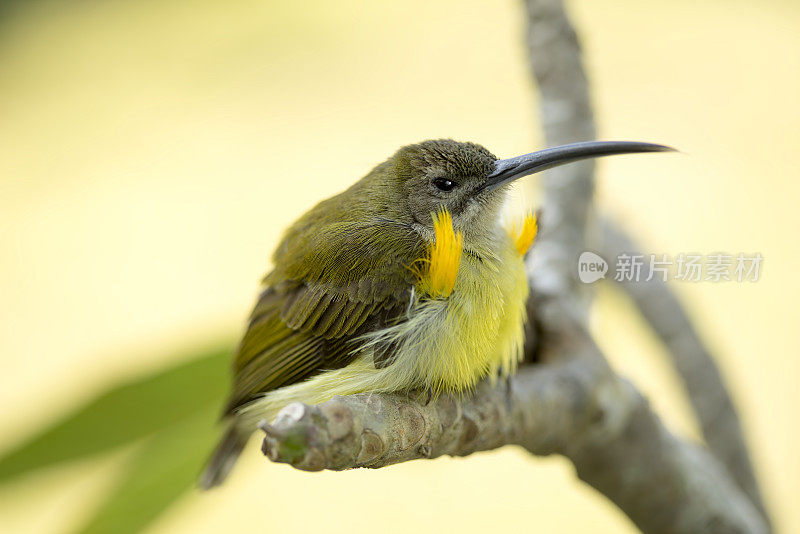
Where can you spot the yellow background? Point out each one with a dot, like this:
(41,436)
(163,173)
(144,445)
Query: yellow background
(151,152)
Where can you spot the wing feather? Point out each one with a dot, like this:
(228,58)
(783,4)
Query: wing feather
(326,290)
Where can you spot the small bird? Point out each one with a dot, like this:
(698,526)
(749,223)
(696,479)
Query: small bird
(405,281)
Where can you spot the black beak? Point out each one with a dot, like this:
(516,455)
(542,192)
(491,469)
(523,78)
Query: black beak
(508,170)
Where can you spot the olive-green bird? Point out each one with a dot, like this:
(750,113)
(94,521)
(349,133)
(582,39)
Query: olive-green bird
(405,281)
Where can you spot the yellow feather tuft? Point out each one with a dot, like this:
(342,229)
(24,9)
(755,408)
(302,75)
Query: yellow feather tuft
(523,238)
(437,277)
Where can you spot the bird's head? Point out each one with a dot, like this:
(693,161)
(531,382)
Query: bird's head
(471,183)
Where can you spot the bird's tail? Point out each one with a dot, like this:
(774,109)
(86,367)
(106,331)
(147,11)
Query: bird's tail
(224,457)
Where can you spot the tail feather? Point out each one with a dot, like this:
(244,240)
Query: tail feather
(224,457)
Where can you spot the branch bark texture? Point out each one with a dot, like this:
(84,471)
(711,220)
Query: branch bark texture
(576,407)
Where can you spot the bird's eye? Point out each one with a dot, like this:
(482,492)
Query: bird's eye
(443,184)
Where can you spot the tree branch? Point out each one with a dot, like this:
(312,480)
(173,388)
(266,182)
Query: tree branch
(556,62)
(575,406)
(694,364)
(566,113)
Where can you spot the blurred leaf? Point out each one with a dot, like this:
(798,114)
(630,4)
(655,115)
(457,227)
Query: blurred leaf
(128,412)
(166,467)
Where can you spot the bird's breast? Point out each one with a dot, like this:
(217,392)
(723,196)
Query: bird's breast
(478,330)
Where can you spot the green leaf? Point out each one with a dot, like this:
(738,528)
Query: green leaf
(135,409)
(166,467)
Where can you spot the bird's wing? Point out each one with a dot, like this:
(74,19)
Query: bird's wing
(322,294)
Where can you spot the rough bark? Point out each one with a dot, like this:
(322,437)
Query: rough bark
(575,406)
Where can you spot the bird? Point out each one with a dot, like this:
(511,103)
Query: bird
(407,280)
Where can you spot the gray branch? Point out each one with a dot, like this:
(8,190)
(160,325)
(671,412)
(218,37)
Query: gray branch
(566,113)
(575,406)
(694,364)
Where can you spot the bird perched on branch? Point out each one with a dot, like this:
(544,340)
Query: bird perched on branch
(405,281)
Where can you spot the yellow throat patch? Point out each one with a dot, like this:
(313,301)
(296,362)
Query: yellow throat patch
(523,236)
(436,274)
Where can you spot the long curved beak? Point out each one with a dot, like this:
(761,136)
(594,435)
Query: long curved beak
(508,170)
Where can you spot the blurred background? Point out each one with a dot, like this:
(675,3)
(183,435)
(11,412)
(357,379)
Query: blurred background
(152,152)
